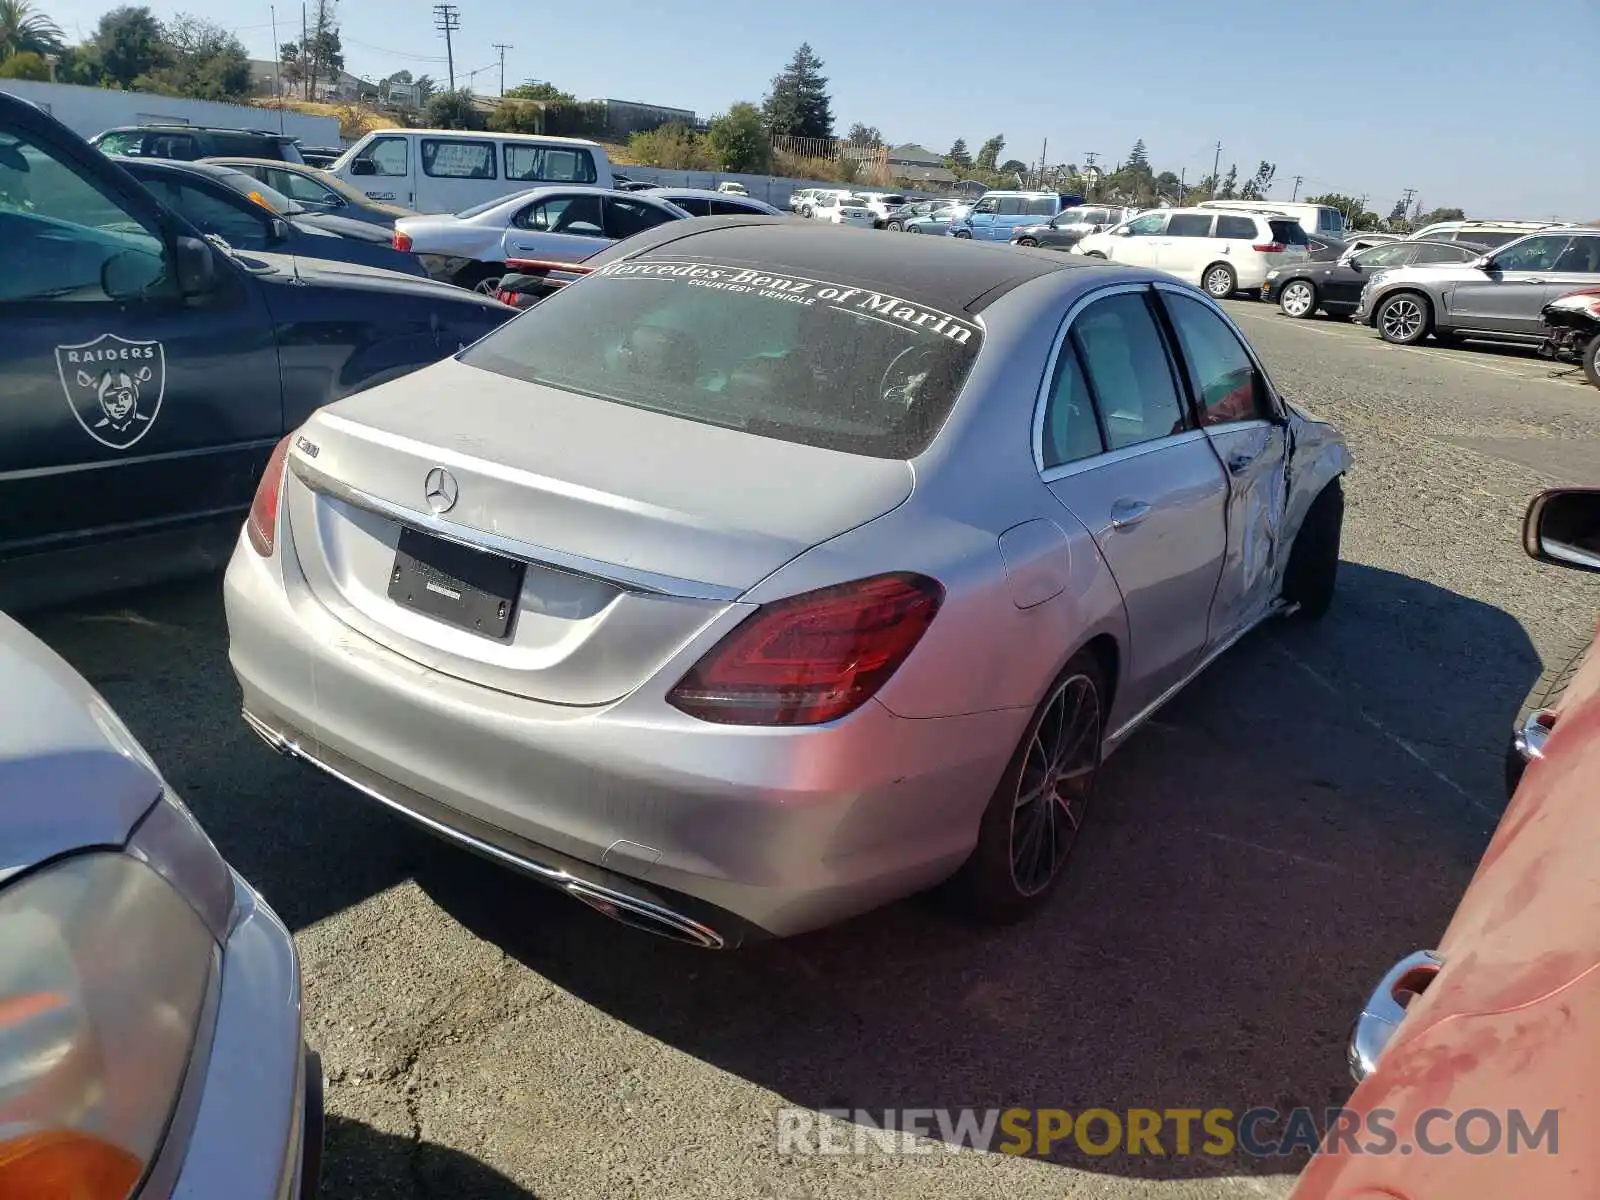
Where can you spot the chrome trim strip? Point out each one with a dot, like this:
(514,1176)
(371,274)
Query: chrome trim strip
(653,918)
(1106,458)
(1381,1015)
(632,579)
(1116,738)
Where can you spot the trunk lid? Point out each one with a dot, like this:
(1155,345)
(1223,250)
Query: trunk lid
(639,528)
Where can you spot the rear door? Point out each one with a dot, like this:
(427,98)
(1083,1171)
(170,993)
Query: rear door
(1507,295)
(455,173)
(127,408)
(567,228)
(628,215)
(1187,246)
(1118,450)
(1236,408)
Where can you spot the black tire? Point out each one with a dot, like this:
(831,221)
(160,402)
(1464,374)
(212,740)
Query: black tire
(962,233)
(1219,281)
(893,226)
(1294,294)
(1563,659)
(1591,361)
(1026,241)
(1404,318)
(987,884)
(1313,569)
(913,229)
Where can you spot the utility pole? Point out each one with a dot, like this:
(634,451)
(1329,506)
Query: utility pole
(502,47)
(447,19)
(277,64)
(305,45)
(1297,181)
(1183,184)
(1216,165)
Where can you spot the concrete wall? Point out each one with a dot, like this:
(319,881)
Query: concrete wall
(775,190)
(88,111)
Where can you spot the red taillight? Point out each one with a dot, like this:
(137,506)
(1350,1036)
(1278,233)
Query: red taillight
(506,297)
(262,525)
(402,241)
(811,658)
(1270,247)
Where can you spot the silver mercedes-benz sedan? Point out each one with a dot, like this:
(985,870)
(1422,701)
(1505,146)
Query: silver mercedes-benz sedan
(150,1027)
(770,573)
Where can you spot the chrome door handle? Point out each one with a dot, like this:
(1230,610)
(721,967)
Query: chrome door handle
(1125,514)
(1533,281)
(1238,462)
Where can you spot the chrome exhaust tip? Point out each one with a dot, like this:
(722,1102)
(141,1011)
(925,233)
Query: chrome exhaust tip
(662,922)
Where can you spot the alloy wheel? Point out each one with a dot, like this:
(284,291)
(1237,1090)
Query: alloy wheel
(1219,283)
(488,287)
(1296,299)
(1402,320)
(1055,784)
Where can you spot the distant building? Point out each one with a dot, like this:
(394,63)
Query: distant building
(917,166)
(624,117)
(266,75)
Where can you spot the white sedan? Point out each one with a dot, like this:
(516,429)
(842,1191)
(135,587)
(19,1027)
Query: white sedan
(554,224)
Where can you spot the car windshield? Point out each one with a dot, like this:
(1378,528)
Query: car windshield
(828,363)
(249,185)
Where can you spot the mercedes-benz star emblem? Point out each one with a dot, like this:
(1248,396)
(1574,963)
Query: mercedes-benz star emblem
(441,490)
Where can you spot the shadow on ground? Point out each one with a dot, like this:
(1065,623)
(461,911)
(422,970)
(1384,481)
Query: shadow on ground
(360,1163)
(1307,812)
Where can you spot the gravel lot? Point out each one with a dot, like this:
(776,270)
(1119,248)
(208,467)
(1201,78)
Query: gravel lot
(1306,813)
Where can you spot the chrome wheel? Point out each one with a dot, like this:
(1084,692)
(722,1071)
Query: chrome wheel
(1055,784)
(1297,299)
(487,287)
(1402,320)
(1219,283)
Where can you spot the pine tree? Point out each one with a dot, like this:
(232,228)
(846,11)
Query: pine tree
(959,155)
(1139,157)
(798,105)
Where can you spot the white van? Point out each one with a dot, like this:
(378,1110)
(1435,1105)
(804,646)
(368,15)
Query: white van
(1316,219)
(447,170)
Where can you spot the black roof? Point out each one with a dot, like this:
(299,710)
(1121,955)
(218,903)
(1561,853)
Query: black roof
(943,272)
(164,127)
(175,166)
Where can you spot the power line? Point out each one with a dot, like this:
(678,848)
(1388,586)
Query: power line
(447,20)
(502,47)
(350,41)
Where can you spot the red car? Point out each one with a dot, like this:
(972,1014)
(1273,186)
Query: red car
(1479,1061)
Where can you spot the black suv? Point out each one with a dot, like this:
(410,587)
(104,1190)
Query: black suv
(148,372)
(189,142)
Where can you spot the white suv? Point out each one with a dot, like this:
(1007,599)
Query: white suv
(841,208)
(1222,252)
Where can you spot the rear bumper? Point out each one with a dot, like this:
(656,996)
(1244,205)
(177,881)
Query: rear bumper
(631,803)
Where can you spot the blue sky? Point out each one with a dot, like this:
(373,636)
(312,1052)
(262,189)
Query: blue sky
(1473,103)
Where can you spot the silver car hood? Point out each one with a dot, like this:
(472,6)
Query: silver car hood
(71,775)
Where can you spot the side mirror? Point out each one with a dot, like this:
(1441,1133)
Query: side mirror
(1483,262)
(129,274)
(278,230)
(363,166)
(1563,527)
(196,266)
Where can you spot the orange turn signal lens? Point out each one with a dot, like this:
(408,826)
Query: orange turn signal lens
(53,1165)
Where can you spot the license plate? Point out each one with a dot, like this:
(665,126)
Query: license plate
(470,589)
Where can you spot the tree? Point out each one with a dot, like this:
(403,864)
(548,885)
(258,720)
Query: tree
(26,65)
(1169,185)
(1013,166)
(675,147)
(25,30)
(1441,214)
(128,42)
(959,158)
(204,61)
(1256,186)
(1138,157)
(1230,183)
(452,110)
(79,65)
(538,89)
(989,152)
(290,66)
(798,105)
(865,135)
(322,56)
(739,141)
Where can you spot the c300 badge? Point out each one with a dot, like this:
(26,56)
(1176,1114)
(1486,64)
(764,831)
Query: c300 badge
(114,386)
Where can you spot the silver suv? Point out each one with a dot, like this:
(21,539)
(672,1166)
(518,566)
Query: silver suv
(1498,296)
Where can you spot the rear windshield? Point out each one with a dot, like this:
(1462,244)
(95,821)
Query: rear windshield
(820,362)
(1290,233)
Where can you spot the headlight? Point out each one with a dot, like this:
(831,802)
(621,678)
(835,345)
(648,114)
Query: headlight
(1272,274)
(103,983)
(1378,278)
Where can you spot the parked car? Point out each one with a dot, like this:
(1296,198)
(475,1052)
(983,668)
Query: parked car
(840,208)
(733,187)
(1067,229)
(881,205)
(939,219)
(561,223)
(1335,287)
(1485,233)
(1572,331)
(997,215)
(799,198)
(810,199)
(699,202)
(186,143)
(317,191)
(1498,1019)
(742,615)
(148,372)
(446,171)
(1499,296)
(1315,219)
(1223,252)
(623,183)
(321,157)
(150,999)
(250,216)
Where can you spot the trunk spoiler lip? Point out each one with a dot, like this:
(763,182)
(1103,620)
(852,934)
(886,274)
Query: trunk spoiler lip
(629,578)
(541,264)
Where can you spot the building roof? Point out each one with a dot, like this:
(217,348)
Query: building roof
(914,155)
(919,174)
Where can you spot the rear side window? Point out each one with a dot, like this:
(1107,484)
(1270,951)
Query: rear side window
(822,362)
(1189,225)
(1009,206)
(697,206)
(1486,237)
(1126,363)
(1330,220)
(1237,228)
(180,146)
(242,145)
(1287,232)
(724,208)
(1226,384)
(1581,256)
(548,164)
(451,158)
(626,217)
(1071,430)
(1431,253)
(1040,206)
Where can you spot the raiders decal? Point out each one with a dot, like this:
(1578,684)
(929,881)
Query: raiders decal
(114,387)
